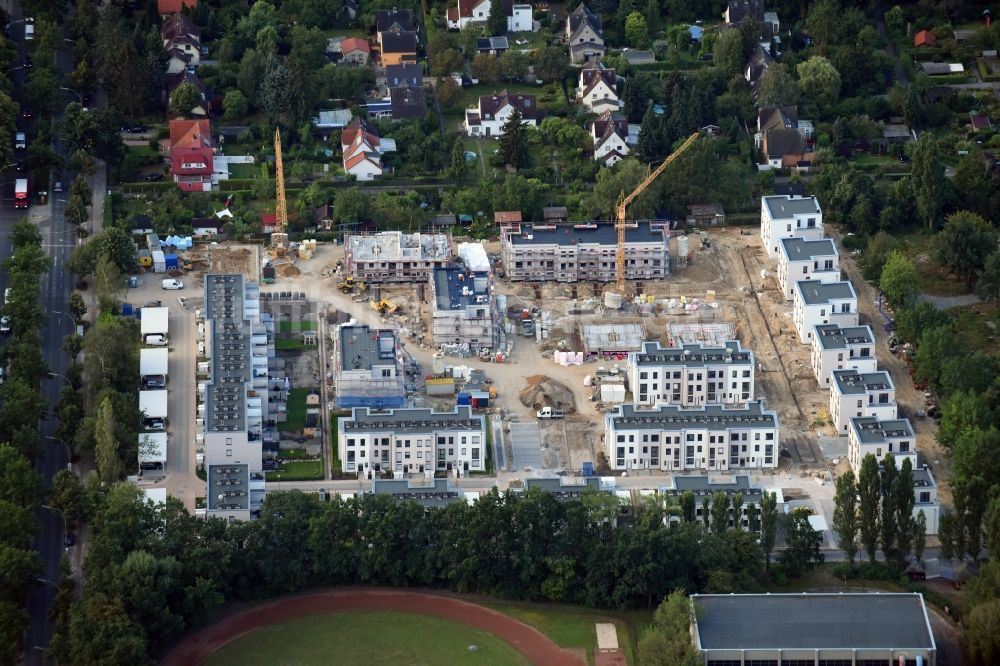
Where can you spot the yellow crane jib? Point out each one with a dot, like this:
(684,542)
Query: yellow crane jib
(279,237)
(624,201)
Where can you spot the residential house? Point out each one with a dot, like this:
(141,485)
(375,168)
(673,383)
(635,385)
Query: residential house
(164,7)
(206,227)
(519,18)
(412,441)
(707,438)
(705,488)
(410,74)
(368,367)
(191,154)
(392,256)
(463,309)
(760,61)
(802,259)
(398,46)
(896,133)
(142,225)
(705,215)
(869,435)
(784,148)
(407,102)
(817,303)
(182,42)
(836,347)
(362,150)
(495,46)
(691,375)
(924,38)
(610,135)
(269,222)
(331,122)
(855,394)
(777,117)
(493,111)
(788,217)
(585,35)
(597,89)
(322,217)
(356,50)
(738,11)
(172,81)
(394,19)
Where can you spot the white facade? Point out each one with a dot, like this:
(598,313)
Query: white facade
(817,303)
(598,95)
(785,216)
(800,259)
(611,149)
(692,375)
(836,347)
(364,169)
(471,11)
(493,111)
(854,394)
(412,441)
(869,435)
(704,438)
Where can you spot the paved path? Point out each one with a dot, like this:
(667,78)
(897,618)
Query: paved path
(946,302)
(529,641)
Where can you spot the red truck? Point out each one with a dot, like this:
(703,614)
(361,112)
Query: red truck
(21,193)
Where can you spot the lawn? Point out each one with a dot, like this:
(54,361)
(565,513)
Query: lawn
(243,171)
(297,470)
(550,97)
(295,419)
(361,638)
(296,326)
(288,345)
(975,326)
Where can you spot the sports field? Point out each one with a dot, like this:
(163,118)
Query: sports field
(366,638)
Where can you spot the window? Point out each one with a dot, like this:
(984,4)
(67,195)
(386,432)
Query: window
(925,497)
(229,453)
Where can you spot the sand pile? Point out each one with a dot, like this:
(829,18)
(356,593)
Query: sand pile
(542,391)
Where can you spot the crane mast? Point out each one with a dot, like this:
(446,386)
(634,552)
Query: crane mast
(624,201)
(279,238)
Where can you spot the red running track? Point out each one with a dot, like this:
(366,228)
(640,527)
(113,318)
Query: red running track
(527,640)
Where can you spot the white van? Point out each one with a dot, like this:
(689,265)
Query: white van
(549,413)
(155,340)
(172,284)
(20,141)
(29,31)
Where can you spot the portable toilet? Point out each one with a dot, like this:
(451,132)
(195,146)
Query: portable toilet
(588,469)
(464,398)
(133,282)
(126,309)
(171,262)
(145,259)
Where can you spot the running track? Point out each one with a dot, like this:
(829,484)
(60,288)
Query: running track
(540,650)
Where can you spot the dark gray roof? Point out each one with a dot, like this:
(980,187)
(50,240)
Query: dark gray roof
(789,188)
(692,355)
(922,478)
(436,495)
(872,431)
(231,364)
(835,336)
(814,292)
(811,621)
(407,102)
(800,249)
(402,41)
(852,382)
(713,417)
(407,73)
(581,234)
(228,487)
(564,491)
(361,347)
(456,288)
(704,485)
(581,16)
(786,207)
(412,421)
(386,19)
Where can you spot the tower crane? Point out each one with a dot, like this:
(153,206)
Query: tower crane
(624,201)
(279,238)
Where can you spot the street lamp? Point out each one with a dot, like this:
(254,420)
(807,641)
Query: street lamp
(46,581)
(79,96)
(69,452)
(72,321)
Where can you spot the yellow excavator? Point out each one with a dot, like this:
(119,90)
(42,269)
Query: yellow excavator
(350,284)
(384,306)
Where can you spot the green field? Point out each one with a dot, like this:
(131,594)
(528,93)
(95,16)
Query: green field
(297,470)
(295,419)
(369,637)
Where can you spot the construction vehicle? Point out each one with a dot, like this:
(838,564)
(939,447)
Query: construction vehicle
(624,201)
(384,306)
(350,284)
(279,238)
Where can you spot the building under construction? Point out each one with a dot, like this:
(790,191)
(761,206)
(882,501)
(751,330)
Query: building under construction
(584,252)
(392,256)
(368,367)
(464,316)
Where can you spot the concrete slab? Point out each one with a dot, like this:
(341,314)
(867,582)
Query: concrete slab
(607,636)
(525,445)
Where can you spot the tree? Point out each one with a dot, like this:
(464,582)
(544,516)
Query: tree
(876,253)
(447,91)
(636,30)
(899,280)
(912,321)
(688,506)
(845,515)
(729,52)
(919,539)
(982,634)
(352,205)
(19,483)
(513,141)
(803,543)
(67,494)
(888,527)
(496,23)
(934,349)
(485,68)
(109,465)
(768,525)
(928,179)
(819,80)
(550,64)
(458,169)
(903,503)
(895,21)
(667,641)
(946,535)
(652,143)
(868,505)
(822,22)
(513,65)
(965,243)
(624,176)
(720,512)
(184,99)
(235,104)
(778,87)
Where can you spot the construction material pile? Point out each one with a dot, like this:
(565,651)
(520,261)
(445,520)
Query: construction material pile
(542,391)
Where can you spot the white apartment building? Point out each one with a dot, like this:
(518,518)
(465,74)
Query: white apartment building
(836,347)
(786,216)
(925,498)
(871,435)
(368,366)
(672,438)
(817,303)
(392,256)
(705,487)
(801,259)
(854,394)
(691,375)
(412,441)
(463,309)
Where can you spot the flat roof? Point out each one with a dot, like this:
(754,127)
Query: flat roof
(231,363)
(612,337)
(800,249)
(783,207)
(153,320)
(852,382)
(362,347)
(153,403)
(811,621)
(835,336)
(709,417)
(559,489)
(158,496)
(412,421)
(694,355)
(869,430)
(152,447)
(395,246)
(438,494)
(586,234)
(706,485)
(228,487)
(153,361)
(456,288)
(814,292)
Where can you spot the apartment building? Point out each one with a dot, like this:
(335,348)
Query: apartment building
(816,303)
(412,441)
(871,435)
(691,375)
(711,437)
(584,252)
(785,216)
(368,367)
(704,488)
(801,259)
(233,399)
(925,498)
(836,347)
(463,309)
(855,394)
(392,256)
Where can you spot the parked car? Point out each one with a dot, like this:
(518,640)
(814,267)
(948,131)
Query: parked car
(28,64)
(154,177)
(25,112)
(155,424)
(155,340)
(69,540)
(152,304)
(156,382)
(137,129)
(171,283)
(57,186)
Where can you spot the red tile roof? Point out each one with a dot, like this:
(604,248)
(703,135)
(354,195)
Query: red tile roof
(270,219)
(190,133)
(506,216)
(173,6)
(354,44)
(924,38)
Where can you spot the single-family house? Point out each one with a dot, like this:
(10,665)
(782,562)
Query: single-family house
(585,35)
(322,217)
(407,102)
(787,216)
(191,154)
(394,19)
(610,135)
(819,303)
(206,227)
(488,118)
(173,81)
(777,117)
(329,123)
(495,46)
(519,18)
(784,148)
(182,42)
(398,46)
(164,7)
(597,89)
(924,38)
(738,11)
(760,61)
(362,149)
(356,50)
(409,74)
